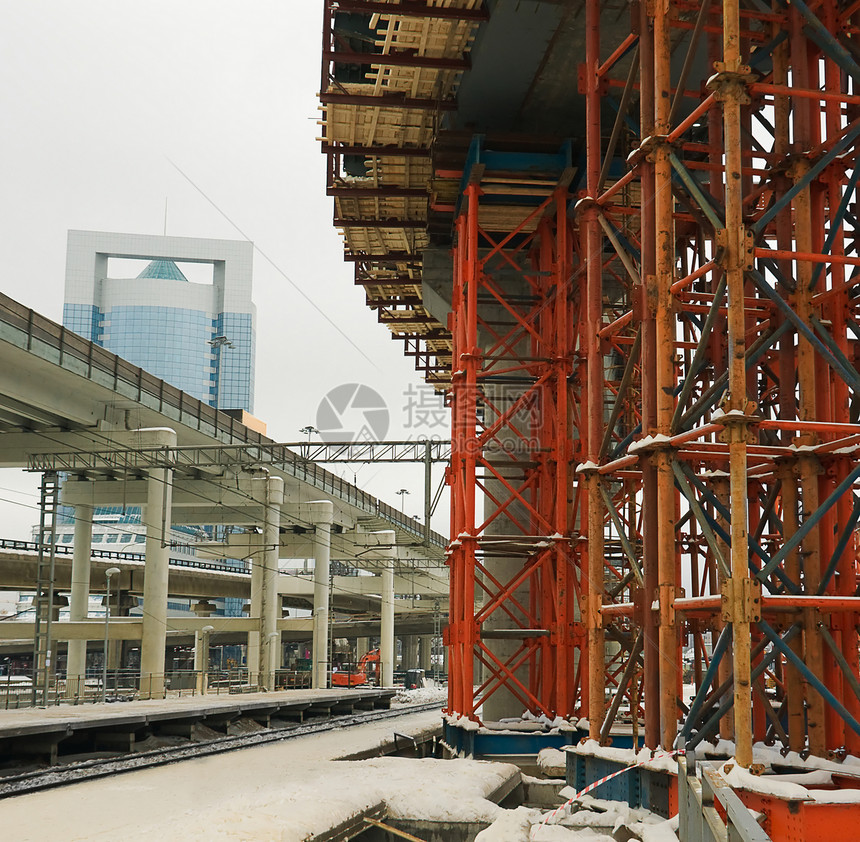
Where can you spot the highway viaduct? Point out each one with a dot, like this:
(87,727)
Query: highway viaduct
(120,436)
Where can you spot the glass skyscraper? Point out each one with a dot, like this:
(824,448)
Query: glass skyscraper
(198,337)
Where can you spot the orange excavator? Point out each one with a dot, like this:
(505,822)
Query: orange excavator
(365,672)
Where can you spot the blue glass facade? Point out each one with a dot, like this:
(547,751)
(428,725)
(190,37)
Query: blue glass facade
(83,319)
(169,342)
(234,366)
(209,356)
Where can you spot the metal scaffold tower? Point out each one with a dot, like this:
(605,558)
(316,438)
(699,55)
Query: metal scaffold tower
(655,390)
(513,335)
(44,596)
(652,339)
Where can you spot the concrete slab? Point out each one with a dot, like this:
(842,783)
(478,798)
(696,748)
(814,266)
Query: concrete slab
(66,718)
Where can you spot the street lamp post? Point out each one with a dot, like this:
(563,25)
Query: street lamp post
(111,571)
(204,645)
(274,640)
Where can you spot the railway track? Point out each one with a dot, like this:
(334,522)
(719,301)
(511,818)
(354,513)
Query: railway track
(54,776)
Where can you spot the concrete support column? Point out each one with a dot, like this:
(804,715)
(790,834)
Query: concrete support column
(410,660)
(201,657)
(362,645)
(253,654)
(79,598)
(156,519)
(121,602)
(387,653)
(424,649)
(321,515)
(270,601)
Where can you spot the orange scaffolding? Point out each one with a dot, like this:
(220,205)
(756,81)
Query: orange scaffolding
(654,358)
(686,479)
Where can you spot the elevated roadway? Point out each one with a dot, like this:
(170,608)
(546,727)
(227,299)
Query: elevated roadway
(64,398)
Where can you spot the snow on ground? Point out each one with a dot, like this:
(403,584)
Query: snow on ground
(525,825)
(550,760)
(665,831)
(657,761)
(280,792)
(592,820)
(421,696)
(796,787)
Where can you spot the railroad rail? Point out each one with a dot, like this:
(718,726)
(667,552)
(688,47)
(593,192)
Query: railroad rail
(48,778)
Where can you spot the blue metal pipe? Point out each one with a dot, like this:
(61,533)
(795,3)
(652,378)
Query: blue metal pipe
(622,445)
(827,339)
(717,655)
(836,223)
(696,192)
(806,180)
(754,546)
(825,39)
(836,361)
(847,535)
(723,709)
(810,522)
(765,51)
(699,356)
(810,676)
(717,388)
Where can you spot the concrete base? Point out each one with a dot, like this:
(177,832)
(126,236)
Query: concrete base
(45,736)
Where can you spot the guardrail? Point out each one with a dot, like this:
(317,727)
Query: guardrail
(123,685)
(700,819)
(117,555)
(66,349)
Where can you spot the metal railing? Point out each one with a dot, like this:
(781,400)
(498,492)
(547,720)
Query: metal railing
(700,820)
(120,555)
(63,347)
(124,685)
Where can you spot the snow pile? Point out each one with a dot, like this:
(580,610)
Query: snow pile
(772,757)
(647,442)
(526,825)
(461,722)
(794,787)
(437,790)
(550,760)
(665,831)
(739,778)
(510,826)
(330,793)
(559,722)
(420,696)
(657,761)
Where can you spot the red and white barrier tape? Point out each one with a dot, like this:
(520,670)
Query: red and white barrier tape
(615,774)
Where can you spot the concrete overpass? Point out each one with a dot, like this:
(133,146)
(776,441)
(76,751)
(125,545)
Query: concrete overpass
(210,580)
(69,405)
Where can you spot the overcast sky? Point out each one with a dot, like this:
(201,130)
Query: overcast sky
(97,100)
